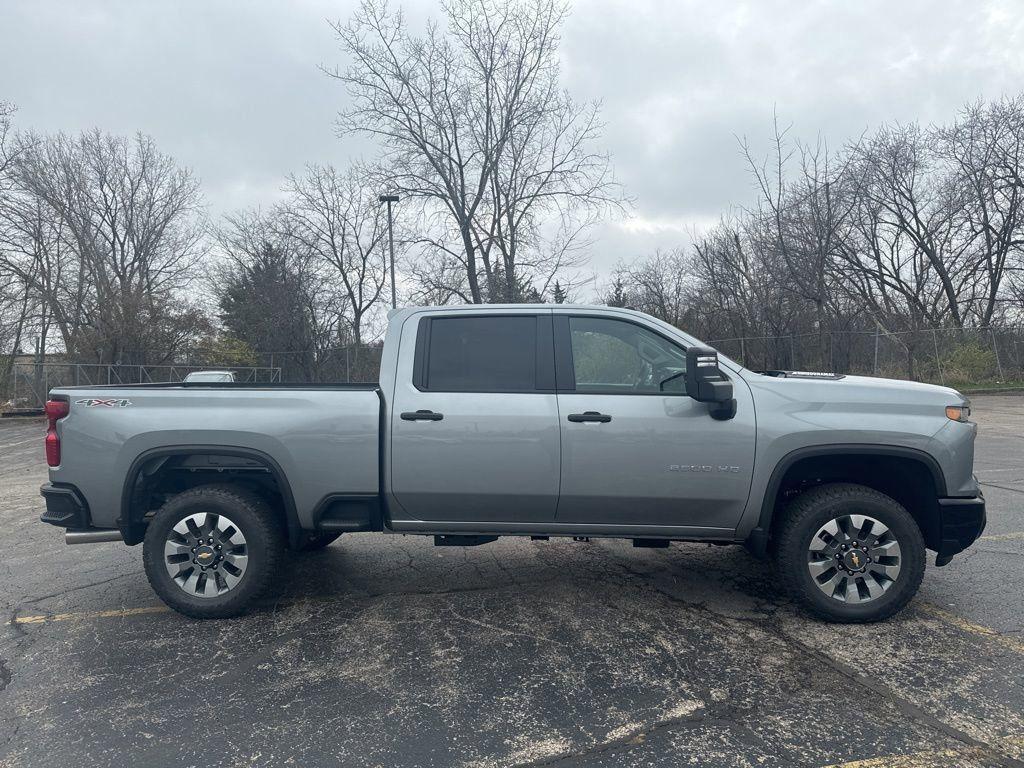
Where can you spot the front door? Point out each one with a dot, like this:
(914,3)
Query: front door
(474,421)
(636,450)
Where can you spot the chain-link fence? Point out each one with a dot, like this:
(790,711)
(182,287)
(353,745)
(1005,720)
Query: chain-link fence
(968,359)
(354,363)
(29,381)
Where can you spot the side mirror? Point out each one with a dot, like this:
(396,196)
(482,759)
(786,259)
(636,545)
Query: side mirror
(706,383)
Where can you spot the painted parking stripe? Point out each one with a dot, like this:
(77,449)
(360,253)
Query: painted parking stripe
(1003,536)
(125,613)
(927,759)
(87,615)
(1007,641)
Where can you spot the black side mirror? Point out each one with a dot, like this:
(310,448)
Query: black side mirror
(706,383)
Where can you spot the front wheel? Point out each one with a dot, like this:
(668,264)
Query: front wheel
(848,553)
(212,550)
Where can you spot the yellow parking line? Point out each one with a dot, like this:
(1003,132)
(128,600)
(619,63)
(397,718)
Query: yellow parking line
(1008,641)
(927,759)
(86,615)
(122,613)
(1003,536)
(915,760)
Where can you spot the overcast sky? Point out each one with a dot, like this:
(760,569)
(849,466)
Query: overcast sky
(233,90)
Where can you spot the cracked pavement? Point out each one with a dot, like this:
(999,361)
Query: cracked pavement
(388,651)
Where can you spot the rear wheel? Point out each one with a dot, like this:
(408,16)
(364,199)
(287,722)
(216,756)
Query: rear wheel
(210,551)
(848,553)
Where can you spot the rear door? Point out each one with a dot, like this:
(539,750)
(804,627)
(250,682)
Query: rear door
(474,420)
(636,450)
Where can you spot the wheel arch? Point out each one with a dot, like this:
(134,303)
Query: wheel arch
(132,512)
(921,484)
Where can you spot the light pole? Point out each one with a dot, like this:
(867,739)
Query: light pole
(389,199)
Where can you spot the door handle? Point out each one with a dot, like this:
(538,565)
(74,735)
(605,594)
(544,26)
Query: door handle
(422,416)
(602,418)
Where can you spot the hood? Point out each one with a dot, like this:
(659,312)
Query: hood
(832,387)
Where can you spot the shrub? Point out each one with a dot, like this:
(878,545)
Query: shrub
(969,363)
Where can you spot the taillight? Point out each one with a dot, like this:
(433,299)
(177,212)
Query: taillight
(55,409)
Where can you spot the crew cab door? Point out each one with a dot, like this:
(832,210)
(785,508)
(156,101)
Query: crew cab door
(474,421)
(636,450)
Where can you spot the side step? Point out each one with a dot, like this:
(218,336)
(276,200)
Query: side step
(651,543)
(455,540)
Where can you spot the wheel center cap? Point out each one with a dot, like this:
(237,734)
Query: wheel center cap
(206,555)
(855,560)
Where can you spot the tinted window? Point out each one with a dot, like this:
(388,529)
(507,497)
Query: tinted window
(482,354)
(620,357)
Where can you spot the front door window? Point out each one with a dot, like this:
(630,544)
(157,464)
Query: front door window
(617,357)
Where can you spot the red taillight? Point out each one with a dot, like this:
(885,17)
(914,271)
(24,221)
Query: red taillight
(55,409)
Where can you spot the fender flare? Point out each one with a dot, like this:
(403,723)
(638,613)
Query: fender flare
(758,539)
(133,531)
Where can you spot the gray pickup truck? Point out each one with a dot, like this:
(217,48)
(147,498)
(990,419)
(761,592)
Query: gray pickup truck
(525,420)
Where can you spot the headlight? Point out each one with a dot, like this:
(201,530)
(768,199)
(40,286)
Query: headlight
(958,412)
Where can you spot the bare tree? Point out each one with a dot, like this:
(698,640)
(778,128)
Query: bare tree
(805,220)
(32,258)
(475,126)
(659,285)
(7,111)
(339,221)
(739,284)
(107,232)
(915,207)
(13,296)
(985,149)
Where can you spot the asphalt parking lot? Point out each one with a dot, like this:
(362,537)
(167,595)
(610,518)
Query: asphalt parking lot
(387,651)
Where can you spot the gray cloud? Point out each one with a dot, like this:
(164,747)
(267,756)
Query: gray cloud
(232,88)
(680,80)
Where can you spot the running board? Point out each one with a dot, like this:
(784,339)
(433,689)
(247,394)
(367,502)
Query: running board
(594,530)
(462,541)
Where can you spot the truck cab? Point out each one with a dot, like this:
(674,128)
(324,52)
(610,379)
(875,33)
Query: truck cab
(573,418)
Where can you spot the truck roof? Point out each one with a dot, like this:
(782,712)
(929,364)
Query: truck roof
(405,312)
(478,307)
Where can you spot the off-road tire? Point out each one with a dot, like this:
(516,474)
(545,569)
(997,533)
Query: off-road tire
(315,541)
(264,541)
(805,515)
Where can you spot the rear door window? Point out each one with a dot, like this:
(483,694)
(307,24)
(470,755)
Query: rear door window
(481,354)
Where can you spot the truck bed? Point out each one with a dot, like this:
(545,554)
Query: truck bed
(324,438)
(227,385)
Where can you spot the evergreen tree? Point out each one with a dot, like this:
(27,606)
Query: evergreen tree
(560,295)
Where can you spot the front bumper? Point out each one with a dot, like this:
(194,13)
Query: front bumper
(961,522)
(65,506)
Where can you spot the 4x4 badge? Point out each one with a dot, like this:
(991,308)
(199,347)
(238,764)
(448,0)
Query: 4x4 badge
(92,402)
